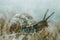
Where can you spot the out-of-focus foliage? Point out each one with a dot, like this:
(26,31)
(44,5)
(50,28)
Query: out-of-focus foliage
(20,27)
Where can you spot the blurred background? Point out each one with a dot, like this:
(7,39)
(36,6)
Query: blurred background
(36,8)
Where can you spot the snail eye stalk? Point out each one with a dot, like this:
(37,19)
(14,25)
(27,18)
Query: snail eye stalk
(50,15)
(45,14)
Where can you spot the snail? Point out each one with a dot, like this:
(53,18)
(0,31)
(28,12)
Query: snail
(20,22)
